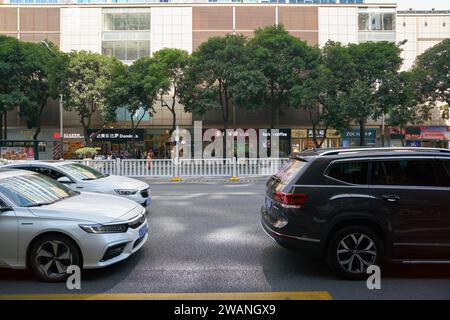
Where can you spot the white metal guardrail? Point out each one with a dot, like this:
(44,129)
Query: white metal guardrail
(230,167)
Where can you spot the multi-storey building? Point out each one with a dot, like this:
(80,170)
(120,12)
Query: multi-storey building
(129,29)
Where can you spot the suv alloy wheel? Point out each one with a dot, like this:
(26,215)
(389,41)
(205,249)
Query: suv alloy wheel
(352,250)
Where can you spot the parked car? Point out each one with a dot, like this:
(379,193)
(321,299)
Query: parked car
(46,226)
(84,178)
(360,207)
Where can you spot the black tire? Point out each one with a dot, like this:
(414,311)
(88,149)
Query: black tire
(50,255)
(369,250)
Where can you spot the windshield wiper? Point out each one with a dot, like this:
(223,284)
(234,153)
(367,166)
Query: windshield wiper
(87,179)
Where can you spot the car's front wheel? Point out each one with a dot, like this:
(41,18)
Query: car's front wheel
(352,250)
(51,255)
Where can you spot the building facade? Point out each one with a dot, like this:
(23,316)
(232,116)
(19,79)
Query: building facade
(130,29)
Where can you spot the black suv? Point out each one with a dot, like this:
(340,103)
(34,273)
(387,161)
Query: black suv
(360,207)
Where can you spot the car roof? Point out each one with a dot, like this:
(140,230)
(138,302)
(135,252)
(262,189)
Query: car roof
(374,152)
(10,172)
(42,162)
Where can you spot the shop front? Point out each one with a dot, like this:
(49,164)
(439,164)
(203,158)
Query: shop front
(351,138)
(158,141)
(47,146)
(434,137)
(121,143)
(73,140)
(302,139)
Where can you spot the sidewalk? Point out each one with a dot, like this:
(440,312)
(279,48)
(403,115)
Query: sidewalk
(204,180)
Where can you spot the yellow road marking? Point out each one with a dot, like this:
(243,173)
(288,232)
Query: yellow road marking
(295,295)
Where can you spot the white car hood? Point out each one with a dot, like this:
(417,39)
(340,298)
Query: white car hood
(87,206)
(118,182)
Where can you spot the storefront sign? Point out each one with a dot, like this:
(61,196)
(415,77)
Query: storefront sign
(73,135)
(433,133)
(331,133)
(355,134)
(412,133)
(299,133)
(116,134)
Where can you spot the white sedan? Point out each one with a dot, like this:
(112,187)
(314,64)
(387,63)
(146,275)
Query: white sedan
(46,226)
(80,177)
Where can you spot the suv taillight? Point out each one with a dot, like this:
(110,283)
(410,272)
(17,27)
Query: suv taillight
(291,200)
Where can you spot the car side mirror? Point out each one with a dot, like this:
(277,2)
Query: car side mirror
(64,180)
(4,209)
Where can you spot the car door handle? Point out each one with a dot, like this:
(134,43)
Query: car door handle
(79,187)
(390,197)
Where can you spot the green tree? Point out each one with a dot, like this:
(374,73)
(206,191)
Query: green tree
(219,76)
(432,76)
(164,76)
(374,63)
(320,91)
(282,58)
(87,79)
(42,68)
(129,89)
(13,78)
(401,101)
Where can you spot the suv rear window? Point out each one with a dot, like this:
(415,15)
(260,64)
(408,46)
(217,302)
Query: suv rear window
(403,172)
(289,170)
(354,172)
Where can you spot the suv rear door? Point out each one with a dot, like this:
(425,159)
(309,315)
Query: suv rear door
(410,195)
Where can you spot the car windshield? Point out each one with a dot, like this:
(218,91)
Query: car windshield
(82,172)
(34,190)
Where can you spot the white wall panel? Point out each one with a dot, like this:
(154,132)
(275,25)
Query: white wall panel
(338,24)
(81,29)
(171,28)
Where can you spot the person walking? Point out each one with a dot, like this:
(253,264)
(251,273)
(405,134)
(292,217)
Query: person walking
(149,159)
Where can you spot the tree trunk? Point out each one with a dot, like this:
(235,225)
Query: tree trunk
(1,131)
(38,123)
(362,133)
(85,132)
(6,125)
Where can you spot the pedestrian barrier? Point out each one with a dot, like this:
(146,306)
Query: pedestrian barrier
(227,167)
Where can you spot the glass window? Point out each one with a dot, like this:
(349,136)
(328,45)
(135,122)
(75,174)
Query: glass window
(144,49)
(108,21)
(363,21)
(289,170)
(108,48)
(354,172)
(132,50)
(82,172)
(403,173)
(375,21)
(33,190)
(144,21)
(133,21)
(120,51)
(388,21)
(446,173)
(120,21)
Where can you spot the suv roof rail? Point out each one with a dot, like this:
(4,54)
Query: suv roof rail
(339,151)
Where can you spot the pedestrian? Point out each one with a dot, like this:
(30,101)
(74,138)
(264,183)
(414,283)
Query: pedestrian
(149,159)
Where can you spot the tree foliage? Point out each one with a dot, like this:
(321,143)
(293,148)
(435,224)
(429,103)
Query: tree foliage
(432,76)
(165,73)
(219,76)
(87,79)
(283,59)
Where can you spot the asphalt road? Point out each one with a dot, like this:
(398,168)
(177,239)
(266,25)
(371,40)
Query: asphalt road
(206,237)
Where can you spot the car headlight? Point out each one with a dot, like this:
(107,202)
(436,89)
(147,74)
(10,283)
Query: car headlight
(125,192)
(105,228)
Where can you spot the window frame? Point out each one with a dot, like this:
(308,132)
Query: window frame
(432,159)
(330,165)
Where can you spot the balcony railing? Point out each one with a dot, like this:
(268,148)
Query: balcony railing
(40,2)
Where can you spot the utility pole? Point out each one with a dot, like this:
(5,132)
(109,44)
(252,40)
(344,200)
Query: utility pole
(61,126)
